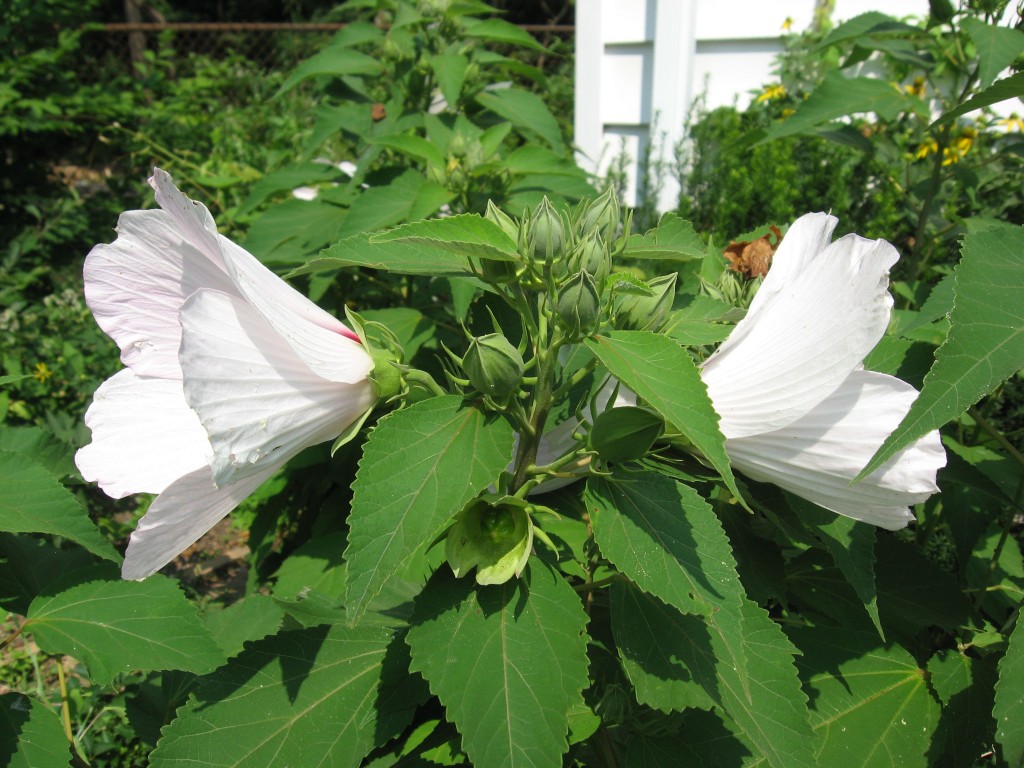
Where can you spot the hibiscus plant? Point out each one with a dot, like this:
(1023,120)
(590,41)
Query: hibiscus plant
(609,517)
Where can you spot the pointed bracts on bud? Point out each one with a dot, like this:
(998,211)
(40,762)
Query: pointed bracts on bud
(647,313)
(592,255)
(579,306)
(494,534)
(546,238)
(601,216)
(493,366)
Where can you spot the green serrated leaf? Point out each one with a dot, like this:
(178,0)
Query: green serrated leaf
(419,467)
(674,238)
(869,702)
(1009,701)
(30,565)
(501,31)
(467,234)
(965,686)
(703,741)
(37,503)
(319,696)
(316,566)
(533,159)
(413,146)
(450,70)
(526,111)
(986,338)
(31,735)
(998,47)
(509,663)
(335,61)
(1011,87)
(852,547)
(124,626)
(762,696)
(838,96)
(152,704)
(251,618)
(404,258)
(664,375)
(40,446)
(861,25)
(666,539)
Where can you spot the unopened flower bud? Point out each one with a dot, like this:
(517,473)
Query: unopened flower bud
(494,534)
(579,306)
(602,216)
(594,257)
(647,313)
(493,366)
(547,235)
(625,433)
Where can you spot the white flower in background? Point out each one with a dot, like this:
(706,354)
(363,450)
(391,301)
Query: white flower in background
(797,408)
(231,372)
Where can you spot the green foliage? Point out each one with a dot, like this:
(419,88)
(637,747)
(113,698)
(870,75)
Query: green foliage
(670,609)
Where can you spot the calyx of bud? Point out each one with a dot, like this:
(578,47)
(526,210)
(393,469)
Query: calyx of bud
(547,234)
(647,313)
(579,306)
(601,216)
(493,534)
(493,366)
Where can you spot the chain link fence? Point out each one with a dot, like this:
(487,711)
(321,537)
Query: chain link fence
(120,47)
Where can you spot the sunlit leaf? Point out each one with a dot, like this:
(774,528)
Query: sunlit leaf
(674,238)
(664,375)
(869,701)
(509,663)
(38,503)
(319,696)
(762,696)
(1010,698)
(1011,87)
(467,234)
(419,467)
(526,111)
(998,47)
(986,338)
(123,626)
(30,734)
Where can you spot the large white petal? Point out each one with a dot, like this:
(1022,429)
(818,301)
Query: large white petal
(255,397)
(136,285)
(325,343)
(181,514)
(144,436)
(817,456)
(805,239)
(804,340)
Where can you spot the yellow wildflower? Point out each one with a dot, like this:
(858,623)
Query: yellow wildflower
(916,88)
(928,146)
(42,372)
(787,24)
(772,92)
(1012,123)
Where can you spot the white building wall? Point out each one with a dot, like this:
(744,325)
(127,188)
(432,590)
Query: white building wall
(640,64)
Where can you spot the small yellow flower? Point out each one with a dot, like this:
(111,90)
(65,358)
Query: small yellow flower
(772,92)
(961,146)
(787,24)
(1012,123)
(42,372)
(928,146)
(916,88)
